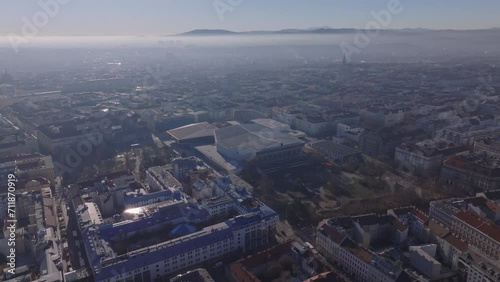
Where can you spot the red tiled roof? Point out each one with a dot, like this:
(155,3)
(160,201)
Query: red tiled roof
(362,254)
(331,233)
(456,242)
(242,274)
(461,163)
(267,255)
(240,268)
(398,225)
(357,250)
(485,226)
(421,215)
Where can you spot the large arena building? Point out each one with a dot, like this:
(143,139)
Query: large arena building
(269,149)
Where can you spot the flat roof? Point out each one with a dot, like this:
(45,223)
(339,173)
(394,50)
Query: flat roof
(211,153)
(270,123)
(253,137)
(62,130)
(480,261)
(192,131)
(167,180)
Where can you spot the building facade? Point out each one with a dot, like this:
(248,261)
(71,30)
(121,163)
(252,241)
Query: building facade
(421,162)
(240,234)
(478,232)
(472,173)
(489,145)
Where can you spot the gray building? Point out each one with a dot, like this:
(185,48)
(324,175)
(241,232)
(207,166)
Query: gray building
(472,173)
(269,149)
(337,153)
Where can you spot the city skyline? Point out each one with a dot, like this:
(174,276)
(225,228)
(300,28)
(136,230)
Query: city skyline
(250,140)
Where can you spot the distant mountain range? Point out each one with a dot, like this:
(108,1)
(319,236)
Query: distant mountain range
(198,32)
(321,30)
(208,32)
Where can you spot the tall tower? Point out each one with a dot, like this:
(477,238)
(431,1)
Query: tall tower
(344,60)
(6,78)
(341,96)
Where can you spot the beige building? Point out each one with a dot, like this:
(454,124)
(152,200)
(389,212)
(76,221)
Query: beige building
(420,161)
(481,233)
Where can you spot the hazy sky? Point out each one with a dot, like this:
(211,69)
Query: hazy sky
(156,17)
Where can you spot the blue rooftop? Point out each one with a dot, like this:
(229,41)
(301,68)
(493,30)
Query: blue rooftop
(166,250)
(182,230)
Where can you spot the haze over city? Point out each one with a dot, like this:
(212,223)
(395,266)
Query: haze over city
(240,140)
(156,17)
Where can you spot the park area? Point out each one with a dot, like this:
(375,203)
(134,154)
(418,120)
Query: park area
(306,195)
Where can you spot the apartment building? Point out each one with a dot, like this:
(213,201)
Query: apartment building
(472,173)
(54,138)
(481,233)
(328,240)
(218,206)
(424,158)
(28,167)
(240,234)
(444,210)
(422,259)
(490,145)
(365,265)
(160,179)
(475,267)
